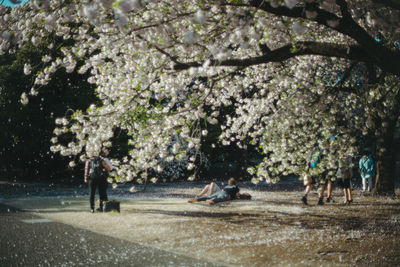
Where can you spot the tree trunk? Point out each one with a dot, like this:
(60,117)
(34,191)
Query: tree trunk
(385,160)
(145,185)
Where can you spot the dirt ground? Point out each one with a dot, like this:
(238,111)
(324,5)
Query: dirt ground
(272,229)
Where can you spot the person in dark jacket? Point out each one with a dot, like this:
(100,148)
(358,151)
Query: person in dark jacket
(95,175)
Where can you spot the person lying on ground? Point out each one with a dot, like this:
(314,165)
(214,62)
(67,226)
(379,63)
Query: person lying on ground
(229,192)
(209,189)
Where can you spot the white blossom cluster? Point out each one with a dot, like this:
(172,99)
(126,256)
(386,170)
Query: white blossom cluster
(147,59)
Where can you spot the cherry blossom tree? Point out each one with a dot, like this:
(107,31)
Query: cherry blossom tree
(296,72)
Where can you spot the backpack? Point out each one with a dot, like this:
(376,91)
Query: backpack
(345,169)
(315,158)
(96,169)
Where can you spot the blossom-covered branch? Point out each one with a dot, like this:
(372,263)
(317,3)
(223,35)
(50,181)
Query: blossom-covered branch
(351,52)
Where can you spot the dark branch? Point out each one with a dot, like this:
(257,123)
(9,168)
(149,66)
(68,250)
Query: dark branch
(389,3)
(287,52)
(346,74)
(382,56)
(296,12)
(264,48)
(343,8)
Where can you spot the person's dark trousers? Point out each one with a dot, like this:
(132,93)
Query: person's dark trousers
(204,198)
(101,183)
(216,197)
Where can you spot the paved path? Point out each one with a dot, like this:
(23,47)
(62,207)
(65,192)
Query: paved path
(159,228)
(29,240)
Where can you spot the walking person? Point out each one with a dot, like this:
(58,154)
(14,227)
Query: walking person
(310,179)
(329,175)
(95,175)
(326,186)
(367,170)
(344,175)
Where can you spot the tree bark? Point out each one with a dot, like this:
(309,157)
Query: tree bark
(385,161)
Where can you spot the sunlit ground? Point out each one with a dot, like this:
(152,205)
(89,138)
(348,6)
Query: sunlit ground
(273,228)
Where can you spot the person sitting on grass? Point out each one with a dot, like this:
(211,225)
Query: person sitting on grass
(229,192)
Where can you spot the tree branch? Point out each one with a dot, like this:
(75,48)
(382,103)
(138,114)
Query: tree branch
(382,56)
(343,8)
(390,3)
(296,12)
(346,74)
(289,51)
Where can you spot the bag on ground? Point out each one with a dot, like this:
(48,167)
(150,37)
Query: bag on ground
(112,205)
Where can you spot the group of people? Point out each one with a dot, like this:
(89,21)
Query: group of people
(97,169)
(343,176)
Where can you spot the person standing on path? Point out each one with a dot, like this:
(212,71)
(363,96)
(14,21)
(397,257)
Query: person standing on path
(367,170)
(95,175)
